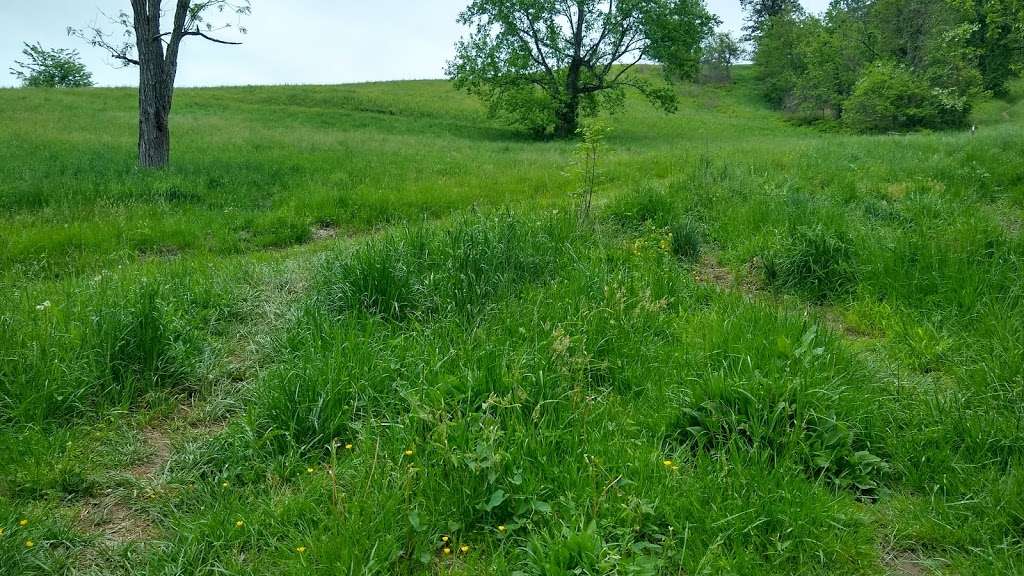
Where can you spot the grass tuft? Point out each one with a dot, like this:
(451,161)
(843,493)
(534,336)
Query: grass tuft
(814,261)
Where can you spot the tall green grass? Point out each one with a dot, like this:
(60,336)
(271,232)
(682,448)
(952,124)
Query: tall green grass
(774,351)
(103,344)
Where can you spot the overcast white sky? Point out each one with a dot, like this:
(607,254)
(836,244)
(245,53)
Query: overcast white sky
(289,41)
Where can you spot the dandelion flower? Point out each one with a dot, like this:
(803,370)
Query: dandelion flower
(301,549)
(502,528)
(464,548)
(23,522)
(309,470)
(225,484)
(239,524)
(29,543)
(348,446)
(444,538)
(446,550)
(668,463)
(409,452)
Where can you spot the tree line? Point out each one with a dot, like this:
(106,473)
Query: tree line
(886,65)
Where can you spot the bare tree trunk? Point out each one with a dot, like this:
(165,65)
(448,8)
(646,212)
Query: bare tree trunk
(156,85)
(157,59)
(154,130)
(568,117)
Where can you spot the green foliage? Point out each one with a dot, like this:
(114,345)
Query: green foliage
(718,55)
(811,66)
(998,36)
(781,59)
(677,31)
(760,14)
(542,64)
(51,68)
(567,551)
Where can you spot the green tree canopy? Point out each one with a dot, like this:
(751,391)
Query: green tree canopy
(761,12)
(51,68)
(543,63)
(998,36)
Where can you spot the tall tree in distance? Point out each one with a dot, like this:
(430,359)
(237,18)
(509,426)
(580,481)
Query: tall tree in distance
(760,13)
(719,53)
(56,68)
(545,62)
(143,42)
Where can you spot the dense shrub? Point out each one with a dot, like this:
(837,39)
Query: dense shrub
(891,97)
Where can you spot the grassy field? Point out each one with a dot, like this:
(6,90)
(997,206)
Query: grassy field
(356,330)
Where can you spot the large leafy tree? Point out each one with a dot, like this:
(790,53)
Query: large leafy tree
(150,37)
(56,68)
(544,63)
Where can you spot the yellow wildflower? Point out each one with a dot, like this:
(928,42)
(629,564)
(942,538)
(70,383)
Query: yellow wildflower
(409,452)
(239,524)
(464,548)
(309,470)
(502,528)
(29,543)
(446,550)
(301,549)
(444,538)
(348,446)
(668,463)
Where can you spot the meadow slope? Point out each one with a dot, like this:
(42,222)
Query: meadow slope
(356,330)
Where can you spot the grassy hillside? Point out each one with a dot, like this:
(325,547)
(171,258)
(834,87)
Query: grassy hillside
(355,330)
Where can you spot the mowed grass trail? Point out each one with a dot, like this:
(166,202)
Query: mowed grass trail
(356,330)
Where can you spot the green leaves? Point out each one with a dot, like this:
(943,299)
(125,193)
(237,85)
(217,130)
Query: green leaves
(496,499)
